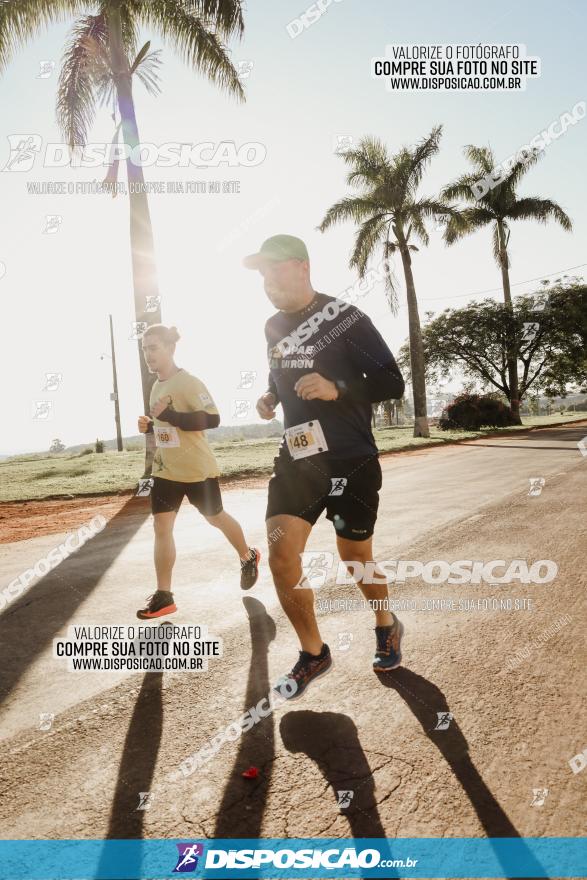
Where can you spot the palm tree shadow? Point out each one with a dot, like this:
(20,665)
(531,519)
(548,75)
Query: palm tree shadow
(55,598)
(243,800)
(426,700)
(135,775)
(331,740)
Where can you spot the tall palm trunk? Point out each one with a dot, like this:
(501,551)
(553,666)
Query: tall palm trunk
(141,232)
(511,353)
(387,413)
(421,428)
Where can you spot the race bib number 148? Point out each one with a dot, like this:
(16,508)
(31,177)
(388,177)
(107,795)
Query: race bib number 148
(306,439)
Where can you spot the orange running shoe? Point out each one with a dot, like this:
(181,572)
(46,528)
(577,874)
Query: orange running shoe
(159,604)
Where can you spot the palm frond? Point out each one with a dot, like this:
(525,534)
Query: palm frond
(146,67)
(429,209)
(421,155)
(21,20)
(461,223)
(416,219)
(481,157)
(225,15)
(84,58)
(192,31)
(519,169)
(369,237)
(541,210)
(140,56)
(368,161)
(350,208)
(461,189)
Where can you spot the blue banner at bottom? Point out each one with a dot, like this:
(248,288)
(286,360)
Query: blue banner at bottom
(290,858)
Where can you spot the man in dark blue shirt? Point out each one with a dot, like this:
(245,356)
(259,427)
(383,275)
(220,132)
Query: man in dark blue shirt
(327,366)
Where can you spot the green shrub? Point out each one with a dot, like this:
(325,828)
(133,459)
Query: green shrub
(469,412)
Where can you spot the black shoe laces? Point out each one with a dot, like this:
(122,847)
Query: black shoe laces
(246,563)
(385,639)
(304,661)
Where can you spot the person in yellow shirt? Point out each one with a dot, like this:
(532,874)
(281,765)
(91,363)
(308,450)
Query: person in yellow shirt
(181,409)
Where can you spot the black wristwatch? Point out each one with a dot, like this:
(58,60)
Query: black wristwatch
(341,387)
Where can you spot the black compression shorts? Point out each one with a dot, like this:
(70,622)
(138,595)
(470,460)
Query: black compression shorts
(167,495)
(348,489)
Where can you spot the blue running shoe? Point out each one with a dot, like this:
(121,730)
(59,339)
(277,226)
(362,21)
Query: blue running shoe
(307,669)
(388,653)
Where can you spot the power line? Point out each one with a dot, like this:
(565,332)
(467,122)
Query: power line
(493,289)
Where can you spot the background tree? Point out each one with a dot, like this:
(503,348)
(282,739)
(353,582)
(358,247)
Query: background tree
(391,216)
(498,207)
(566,304)
(551,355)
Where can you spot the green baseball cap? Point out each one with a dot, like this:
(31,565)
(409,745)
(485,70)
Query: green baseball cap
(277,249)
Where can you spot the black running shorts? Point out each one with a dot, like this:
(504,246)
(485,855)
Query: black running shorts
(167,495)
(348,489)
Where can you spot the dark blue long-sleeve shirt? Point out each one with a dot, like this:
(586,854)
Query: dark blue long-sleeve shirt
(338,341)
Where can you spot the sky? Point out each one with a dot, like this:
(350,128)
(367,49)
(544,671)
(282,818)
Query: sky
(302,95)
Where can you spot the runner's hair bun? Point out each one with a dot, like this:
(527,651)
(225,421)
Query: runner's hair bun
(169,335)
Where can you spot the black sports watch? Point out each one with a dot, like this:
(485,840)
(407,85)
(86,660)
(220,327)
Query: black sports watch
(342,388)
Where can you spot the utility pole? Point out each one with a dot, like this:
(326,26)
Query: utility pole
(114,395)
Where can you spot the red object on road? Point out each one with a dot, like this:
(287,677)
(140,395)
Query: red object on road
(251,773)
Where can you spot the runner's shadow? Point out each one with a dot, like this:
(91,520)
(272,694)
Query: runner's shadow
(135,774)
(29,624)
(243,800)
(138,760)
(426,700)
(331,740)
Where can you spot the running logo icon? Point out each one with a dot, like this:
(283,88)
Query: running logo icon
(536,486)
(23,151)
(338,484)
(145,800)
(46,720)
(46,69)
(530,331)
(145,486)
(444,719)
(137,329)
(316,565)
(187,861)
(344,798)
(539,797)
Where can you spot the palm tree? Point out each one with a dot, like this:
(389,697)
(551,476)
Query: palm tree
(99,63)
(499,206)
(387,202)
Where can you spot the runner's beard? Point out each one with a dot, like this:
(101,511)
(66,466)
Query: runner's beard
(280,298)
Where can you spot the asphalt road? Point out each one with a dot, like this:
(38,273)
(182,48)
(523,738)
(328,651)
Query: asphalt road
(512,679)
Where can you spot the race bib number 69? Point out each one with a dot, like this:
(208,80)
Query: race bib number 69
(306,439)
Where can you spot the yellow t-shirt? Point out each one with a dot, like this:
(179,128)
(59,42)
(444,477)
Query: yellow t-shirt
(183,456)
